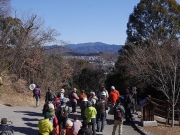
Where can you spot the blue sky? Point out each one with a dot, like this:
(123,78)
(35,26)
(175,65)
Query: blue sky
(81,21)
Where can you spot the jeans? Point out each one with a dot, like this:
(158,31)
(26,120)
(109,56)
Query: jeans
(74,105)
(111,108)
(92,125)
(100,118)
(119,124)
(37,100)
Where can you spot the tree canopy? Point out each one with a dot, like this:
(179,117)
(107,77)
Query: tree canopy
(158,18)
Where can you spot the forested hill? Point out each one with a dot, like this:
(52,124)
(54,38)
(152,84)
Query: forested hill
(89,47)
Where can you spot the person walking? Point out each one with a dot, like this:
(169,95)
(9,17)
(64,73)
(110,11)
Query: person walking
(101,106)
(50,95)
(83,106)
(114,95)
(128,105)
(118,112)
(37,94)
(4,128)
(74,97)
(90,113)
(45,126)
(84,129)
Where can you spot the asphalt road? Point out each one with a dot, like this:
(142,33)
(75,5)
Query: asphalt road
(25,120)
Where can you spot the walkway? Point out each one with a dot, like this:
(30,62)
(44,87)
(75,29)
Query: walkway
(25,120)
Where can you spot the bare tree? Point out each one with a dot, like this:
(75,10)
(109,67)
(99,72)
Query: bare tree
(158,65)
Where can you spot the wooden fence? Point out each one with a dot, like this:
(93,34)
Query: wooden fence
(164,109)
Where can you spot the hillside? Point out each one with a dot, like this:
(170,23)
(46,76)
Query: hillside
(86,48)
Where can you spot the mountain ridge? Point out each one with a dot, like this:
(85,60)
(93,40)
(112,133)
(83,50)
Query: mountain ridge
(90,47)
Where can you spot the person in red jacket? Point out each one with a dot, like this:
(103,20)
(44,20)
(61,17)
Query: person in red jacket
(114,95)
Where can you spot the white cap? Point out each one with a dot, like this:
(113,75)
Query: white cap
(62,90)
(112,87)
(69,123)
(50,105)
(103,93)
(74,89)
(85,99)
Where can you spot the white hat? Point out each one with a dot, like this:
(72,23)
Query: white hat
(112,87)
(103,93)
(69,123)
(50,105)
(85,99)
(93,93)
(74,89)
(62,90)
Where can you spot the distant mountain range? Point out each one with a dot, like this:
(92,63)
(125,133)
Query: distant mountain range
(87,47)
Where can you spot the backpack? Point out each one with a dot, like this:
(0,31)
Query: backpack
(62,112)
(71,95)
(119,114)
(36,91)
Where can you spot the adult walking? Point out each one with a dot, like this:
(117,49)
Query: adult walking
(118,112)
(74,97)
(114,95)
(37,94)
(128,105)
(50,95)
(90,114)
(101,106)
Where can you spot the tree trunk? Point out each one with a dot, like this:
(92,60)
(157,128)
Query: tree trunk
(172,123)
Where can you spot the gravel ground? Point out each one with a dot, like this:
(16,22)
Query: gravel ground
(25,120)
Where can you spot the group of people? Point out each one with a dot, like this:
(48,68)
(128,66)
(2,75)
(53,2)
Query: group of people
(94,110)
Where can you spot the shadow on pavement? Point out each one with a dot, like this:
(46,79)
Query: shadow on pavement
(29,119)
(32,125)
(30,113)
(25,130)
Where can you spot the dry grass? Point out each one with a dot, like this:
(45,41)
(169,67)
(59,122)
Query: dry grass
(15,92)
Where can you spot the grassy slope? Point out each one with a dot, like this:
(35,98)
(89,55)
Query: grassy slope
(17,93)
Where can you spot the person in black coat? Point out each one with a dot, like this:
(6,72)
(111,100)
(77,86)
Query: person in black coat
(85,129)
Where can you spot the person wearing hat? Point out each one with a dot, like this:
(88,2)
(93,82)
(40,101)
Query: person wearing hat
(67,130)
(93,98)
(84,129)
(53,119)
(118,122)
(74,97)
(44,125)
(101,106)
(62,114)
(114,95)
(83,106)
(90,113)
(4,128)
(50,95)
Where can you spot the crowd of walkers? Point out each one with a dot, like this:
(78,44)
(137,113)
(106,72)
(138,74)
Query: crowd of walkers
(94,110)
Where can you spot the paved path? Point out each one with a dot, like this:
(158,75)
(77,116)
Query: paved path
(25,121)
